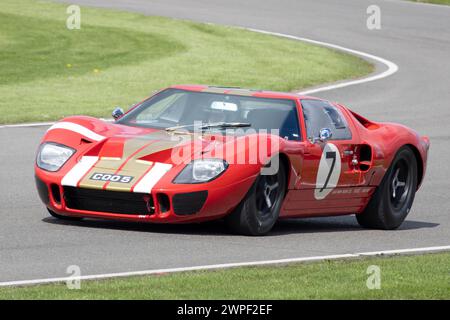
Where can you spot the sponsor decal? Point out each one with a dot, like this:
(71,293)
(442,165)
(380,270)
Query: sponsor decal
(363,190)
(329,171)
(111,177)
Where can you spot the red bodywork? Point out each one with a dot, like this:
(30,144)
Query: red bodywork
(373,145)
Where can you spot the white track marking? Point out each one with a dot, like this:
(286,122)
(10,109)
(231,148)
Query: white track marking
(391,69)
(149,182)
(78,129)
(39,124)
(152,177)
(78,171)
(22,125)
(228,265)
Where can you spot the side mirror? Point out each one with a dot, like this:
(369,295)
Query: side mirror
(325,134)
(117,113)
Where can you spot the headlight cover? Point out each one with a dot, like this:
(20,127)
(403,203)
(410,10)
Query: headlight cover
(203,170)
(52,156)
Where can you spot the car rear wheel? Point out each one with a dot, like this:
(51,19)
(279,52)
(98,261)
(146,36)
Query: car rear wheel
(259,210)
(58,216)
(394,197)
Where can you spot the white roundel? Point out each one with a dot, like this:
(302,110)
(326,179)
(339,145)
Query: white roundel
(329,171)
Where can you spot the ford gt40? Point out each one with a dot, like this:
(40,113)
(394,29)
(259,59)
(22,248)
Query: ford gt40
(249,157)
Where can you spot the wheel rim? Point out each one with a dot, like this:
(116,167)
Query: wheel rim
(400,184)
(267,196)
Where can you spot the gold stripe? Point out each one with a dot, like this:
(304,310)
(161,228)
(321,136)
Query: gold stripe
(134,167)
(231,91)
(87,182)
(110,165)
(137,169)
(104,165)
(215,90)
(241,92)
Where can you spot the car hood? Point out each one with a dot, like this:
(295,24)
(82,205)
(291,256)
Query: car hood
(116,149)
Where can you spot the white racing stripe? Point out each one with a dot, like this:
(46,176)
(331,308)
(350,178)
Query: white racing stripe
(152,177)
(228,265)
(78,171)
(78,129)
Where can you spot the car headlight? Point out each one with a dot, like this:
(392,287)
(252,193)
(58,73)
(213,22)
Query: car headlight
(52,156)
(199,171)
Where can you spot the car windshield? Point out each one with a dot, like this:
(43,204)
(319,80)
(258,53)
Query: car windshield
(174,109)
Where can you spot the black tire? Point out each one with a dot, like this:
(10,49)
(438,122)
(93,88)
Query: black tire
(392,200)
(254,216)
(58,216)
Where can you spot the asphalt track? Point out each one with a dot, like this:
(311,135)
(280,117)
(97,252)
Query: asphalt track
(414,36)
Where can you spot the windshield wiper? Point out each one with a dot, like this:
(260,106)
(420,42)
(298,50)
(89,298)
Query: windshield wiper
(220,125)
(226,125)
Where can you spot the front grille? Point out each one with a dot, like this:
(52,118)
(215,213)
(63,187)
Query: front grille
(108,201)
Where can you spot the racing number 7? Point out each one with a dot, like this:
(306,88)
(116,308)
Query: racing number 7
(329,155)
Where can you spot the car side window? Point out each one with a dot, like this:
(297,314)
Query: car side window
(320,114)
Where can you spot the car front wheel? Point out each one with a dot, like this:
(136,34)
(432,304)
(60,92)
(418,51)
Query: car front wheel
(259,210)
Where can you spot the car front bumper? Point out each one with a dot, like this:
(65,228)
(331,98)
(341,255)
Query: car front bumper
(167,204)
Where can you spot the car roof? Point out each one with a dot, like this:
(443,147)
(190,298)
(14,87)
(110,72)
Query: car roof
(243,92)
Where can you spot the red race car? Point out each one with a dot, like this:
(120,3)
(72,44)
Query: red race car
(198,153)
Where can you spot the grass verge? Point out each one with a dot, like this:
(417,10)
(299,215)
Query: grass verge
(447,2)
(118,58)
(402,277)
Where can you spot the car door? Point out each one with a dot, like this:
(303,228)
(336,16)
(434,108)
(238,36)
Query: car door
(330,181)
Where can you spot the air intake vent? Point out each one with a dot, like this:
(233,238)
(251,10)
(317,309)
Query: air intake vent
(189,203)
